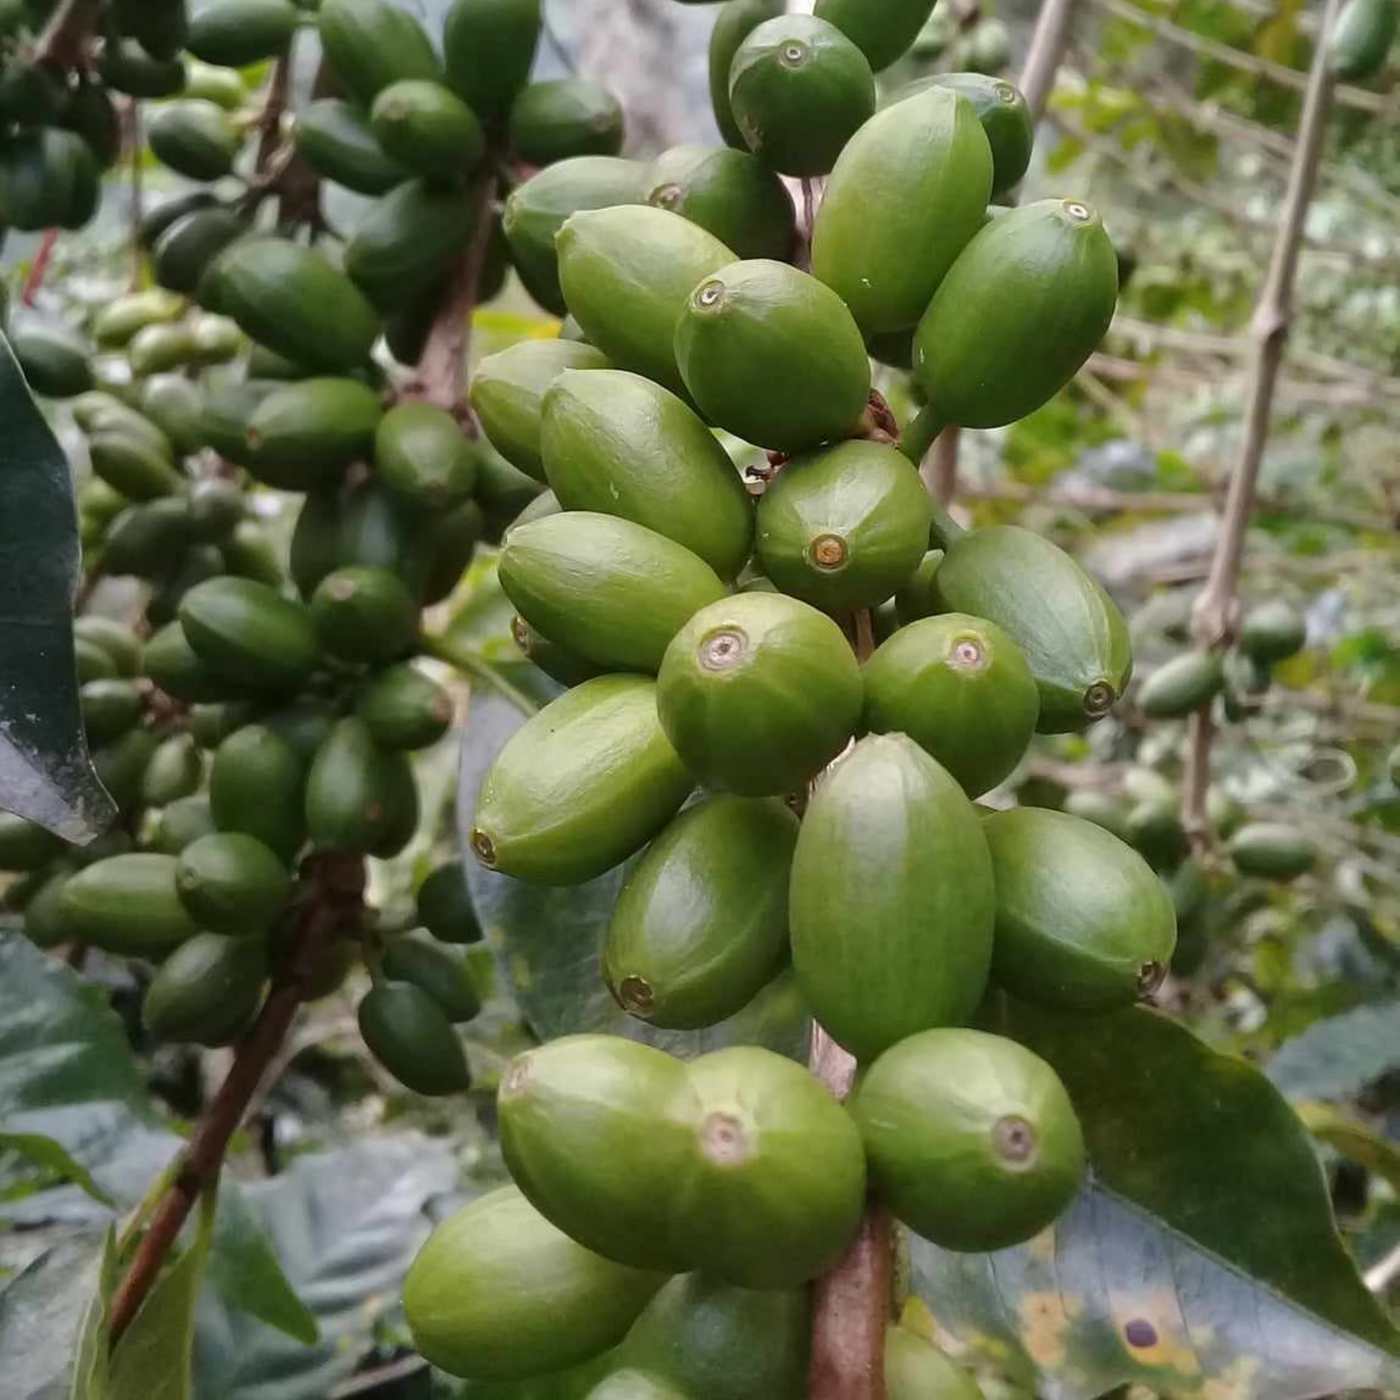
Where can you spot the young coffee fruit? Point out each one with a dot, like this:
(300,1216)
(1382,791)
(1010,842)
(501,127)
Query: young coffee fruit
(1004,115)
(404,709)
(232,884)
(421,453)
(235,33)
(917,175)
(1069,630)
(626,273)
(701,925)
(25,845)
(961,689)
(371,43)
(758,693)
(617,591)
(508,392)
(304,435)
(426,129)
(488,47)
(444,906)
(763,322)
(407,239)
(256,785)
(883,30)
(971,1139)
(182,823)
(410,1035)
(1272,850)
(1272,632)
(891,902)
(249,632)
(798,89)
(710,1338)
(1081,920)
(334,138)
(843,527)
(581,786)
(596,1131)
(731,194)
(1361,40)
(359,796)
(565,117)
(614,442)
(206,991)
(128,904)
(363,613)
(439,971)
(915,1369)
(498,1293)
(775,1184)
(1043,274)
(736,20)
(1182,685)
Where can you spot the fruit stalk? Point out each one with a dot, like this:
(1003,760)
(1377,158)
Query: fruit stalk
(131,127)
(333,885)
(66,35)
(1215,614)
(40,267)
(441,378)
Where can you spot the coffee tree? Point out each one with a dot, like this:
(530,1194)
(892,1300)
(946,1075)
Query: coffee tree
(801,1059)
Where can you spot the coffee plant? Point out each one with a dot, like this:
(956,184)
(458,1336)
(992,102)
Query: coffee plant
(820,974)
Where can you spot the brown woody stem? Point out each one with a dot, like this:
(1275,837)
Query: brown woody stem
(330,899)
(40,267)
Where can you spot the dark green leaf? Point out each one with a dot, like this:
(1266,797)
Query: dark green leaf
(53,1323)
(45,774)
(549,939)
(1202,1257)
(1338,1057)
(346,1225)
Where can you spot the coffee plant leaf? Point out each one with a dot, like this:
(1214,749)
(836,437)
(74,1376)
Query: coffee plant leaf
(549,940)
(1200,1259)
(53,1321)
(1334,1059)
(345,1224)
(45,773)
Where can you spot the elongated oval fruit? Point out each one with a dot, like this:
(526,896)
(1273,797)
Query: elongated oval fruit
(1070,630)
(596,1130)
(350,790)
(408,1033)
(730,193)
(882,30)
(364,613)
(619,444)
(798,90)
(25,845)
(128,904)
(618,591)
(421,453)
(372,43)
(565,117)
(174,772)
(235,33)
(175,405)
(172,664)
(508,391)
(182,823)
(195,138)
(736,20)
(256,785)
(1005,117)
(961,689)
(535,212)
(186,252)
(710,1338)
(915,1369)
(426,128)
(54,359)
(439,971)
(626,273)
(1182,685)
(1046,275)
(701,925)
(144,539)
(891,856)
(404,709)
(843,527)
(304,435)
(581,786)
(1082,922)
(161,347)
(917,175)
(775,1184)
(1361,39)
(292,300)
(232,883)
(488,47)
(407,239)
(131,466)
(762,322)
(207,990)
(759,692)
(498,1293)
(971,1139)
(1272,850)
(334,138)
(249,632)
(444,906)
(1272,631)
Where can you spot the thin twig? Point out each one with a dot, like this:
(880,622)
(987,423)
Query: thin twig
(332,893)
(39,268)
(132,127)
(1214,616)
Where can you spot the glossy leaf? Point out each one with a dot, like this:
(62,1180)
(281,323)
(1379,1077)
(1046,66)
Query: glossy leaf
(549,939)
(345,1224)
(1200,1259)
(53,1322)
(1338,1057)
(45,773)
